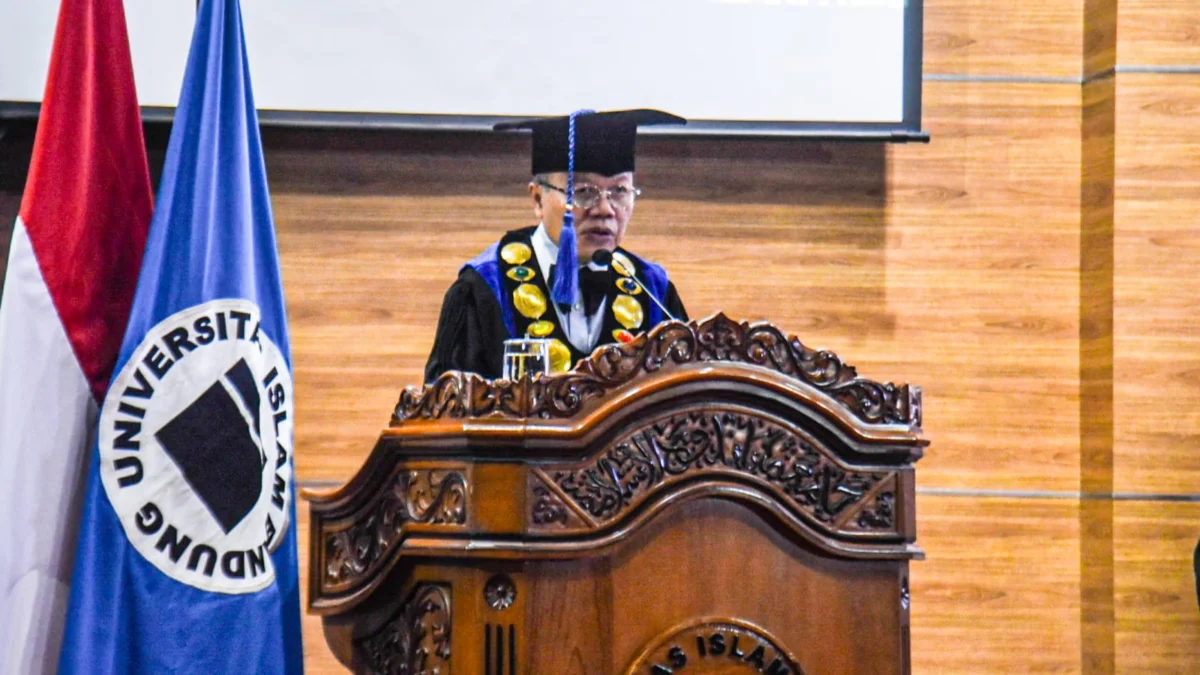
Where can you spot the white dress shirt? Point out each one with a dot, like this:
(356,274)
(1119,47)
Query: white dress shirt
(583,331)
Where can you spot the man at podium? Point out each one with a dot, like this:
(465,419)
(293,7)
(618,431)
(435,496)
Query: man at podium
(583,192)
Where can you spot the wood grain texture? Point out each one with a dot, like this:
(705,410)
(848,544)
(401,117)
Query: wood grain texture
(999,589)
(1158,33)
(1096,287)
(1156,306)
(1099,36)
(1158,622)
(1098,649)
(1096,206)
(1026,37)
(1097,615)
(620,602)
(370,238)
(982,276)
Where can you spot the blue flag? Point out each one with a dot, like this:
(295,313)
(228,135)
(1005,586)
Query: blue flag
(187,548)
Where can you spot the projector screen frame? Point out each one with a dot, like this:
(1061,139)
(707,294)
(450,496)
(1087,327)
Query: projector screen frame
(908,129)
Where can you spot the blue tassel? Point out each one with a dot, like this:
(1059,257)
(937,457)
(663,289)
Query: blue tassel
(566,278)
(566,281)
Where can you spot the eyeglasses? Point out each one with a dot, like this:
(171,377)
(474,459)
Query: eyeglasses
(588,196)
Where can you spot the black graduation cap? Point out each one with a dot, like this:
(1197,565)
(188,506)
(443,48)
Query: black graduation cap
(604,141)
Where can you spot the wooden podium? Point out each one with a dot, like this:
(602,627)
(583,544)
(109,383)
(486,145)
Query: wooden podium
(713,497)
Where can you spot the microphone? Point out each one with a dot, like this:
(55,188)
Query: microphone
(605,258)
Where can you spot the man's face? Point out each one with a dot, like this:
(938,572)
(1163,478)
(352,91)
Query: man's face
(602,226)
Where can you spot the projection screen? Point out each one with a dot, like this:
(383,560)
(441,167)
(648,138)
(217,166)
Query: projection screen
(824,68)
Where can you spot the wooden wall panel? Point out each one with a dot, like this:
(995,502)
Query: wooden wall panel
(363,299)
(1096,286)
(982,269)
(1096,376)
(1158,33)
(1099,36)
(372,227)
(1158,621)
(1156,303)
(1032,38)
(999,591)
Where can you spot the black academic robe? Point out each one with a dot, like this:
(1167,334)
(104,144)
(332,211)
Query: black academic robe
(471,329)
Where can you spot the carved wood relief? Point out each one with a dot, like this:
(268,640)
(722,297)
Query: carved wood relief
(353,547)
(677,446)
(547,507)
(717,339)
(416,640)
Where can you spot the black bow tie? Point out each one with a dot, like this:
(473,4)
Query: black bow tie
(593,285)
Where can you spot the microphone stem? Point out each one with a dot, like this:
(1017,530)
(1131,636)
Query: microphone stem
(660,305)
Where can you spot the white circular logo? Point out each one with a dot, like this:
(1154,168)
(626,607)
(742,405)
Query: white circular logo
(196,447)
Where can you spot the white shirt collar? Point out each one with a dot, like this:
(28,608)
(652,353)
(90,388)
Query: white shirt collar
(545,250)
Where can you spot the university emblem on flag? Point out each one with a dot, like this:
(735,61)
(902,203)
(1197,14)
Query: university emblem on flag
(196,447)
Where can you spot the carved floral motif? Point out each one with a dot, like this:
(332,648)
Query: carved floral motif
(547,507)
(433,496)
(416,641)
(718,339)
(500,592)
(729,441)
(880,515)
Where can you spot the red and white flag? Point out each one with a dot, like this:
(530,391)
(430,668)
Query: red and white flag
(72,269)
